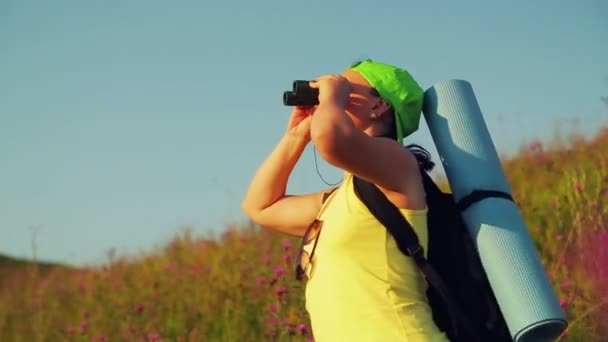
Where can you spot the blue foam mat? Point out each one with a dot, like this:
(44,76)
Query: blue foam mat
(470,160)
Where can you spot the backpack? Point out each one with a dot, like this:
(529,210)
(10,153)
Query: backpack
(460,296)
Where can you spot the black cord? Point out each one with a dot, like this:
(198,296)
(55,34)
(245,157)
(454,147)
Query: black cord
(314,150)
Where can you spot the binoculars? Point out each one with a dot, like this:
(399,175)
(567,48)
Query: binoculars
(302,95)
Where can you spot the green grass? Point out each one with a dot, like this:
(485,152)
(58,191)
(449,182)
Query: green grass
(239,286)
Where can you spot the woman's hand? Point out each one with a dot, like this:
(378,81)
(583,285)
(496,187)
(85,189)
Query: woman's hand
(333,89)
(299,122)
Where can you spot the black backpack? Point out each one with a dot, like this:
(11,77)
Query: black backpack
(462,301)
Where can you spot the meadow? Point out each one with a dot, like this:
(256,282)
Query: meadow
(239,285)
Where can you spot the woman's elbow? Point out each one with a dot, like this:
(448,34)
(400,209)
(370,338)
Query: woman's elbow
(249,210)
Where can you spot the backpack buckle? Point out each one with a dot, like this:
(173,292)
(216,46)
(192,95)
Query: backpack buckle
(415,251)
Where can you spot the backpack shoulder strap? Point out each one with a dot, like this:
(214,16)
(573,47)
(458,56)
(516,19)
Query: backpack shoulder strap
(390,217)
(407,241)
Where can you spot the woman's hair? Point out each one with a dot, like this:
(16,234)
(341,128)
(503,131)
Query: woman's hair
(423,156)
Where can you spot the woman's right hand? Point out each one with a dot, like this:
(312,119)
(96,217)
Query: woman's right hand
(299,122)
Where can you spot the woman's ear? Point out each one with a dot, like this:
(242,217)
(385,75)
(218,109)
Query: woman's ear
(381,107)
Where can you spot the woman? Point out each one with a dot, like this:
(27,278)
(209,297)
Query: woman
(360,287)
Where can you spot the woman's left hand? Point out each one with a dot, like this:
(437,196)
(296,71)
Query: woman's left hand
(332,88)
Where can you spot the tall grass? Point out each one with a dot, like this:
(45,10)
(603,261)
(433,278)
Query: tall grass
(240,286)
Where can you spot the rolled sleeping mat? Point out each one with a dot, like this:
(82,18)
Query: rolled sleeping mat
(515,272)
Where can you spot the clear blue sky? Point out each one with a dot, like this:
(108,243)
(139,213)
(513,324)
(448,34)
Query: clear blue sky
(123,121)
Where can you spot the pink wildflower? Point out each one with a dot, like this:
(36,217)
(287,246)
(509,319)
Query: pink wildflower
(279,271)
(227,234)
(83,327)
(287,245)
(153,336)
(290,329)
(271,321)
(302,328)
(579,186)
(535,146)
(70,330)
(282,290)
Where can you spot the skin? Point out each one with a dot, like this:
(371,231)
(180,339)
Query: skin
(344,134)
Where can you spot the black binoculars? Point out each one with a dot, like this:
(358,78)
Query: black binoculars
(302,95)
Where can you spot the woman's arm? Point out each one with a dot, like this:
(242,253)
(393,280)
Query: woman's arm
(382,161)
(266,202)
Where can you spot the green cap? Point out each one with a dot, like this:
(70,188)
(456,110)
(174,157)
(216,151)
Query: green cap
(397,87)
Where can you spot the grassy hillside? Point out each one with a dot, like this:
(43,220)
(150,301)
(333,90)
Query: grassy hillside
(239,286)
(13,268)
(7,262)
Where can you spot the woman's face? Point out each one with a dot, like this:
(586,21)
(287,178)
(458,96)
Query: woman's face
(361,102)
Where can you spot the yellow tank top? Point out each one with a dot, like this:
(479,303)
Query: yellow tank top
(361,287)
